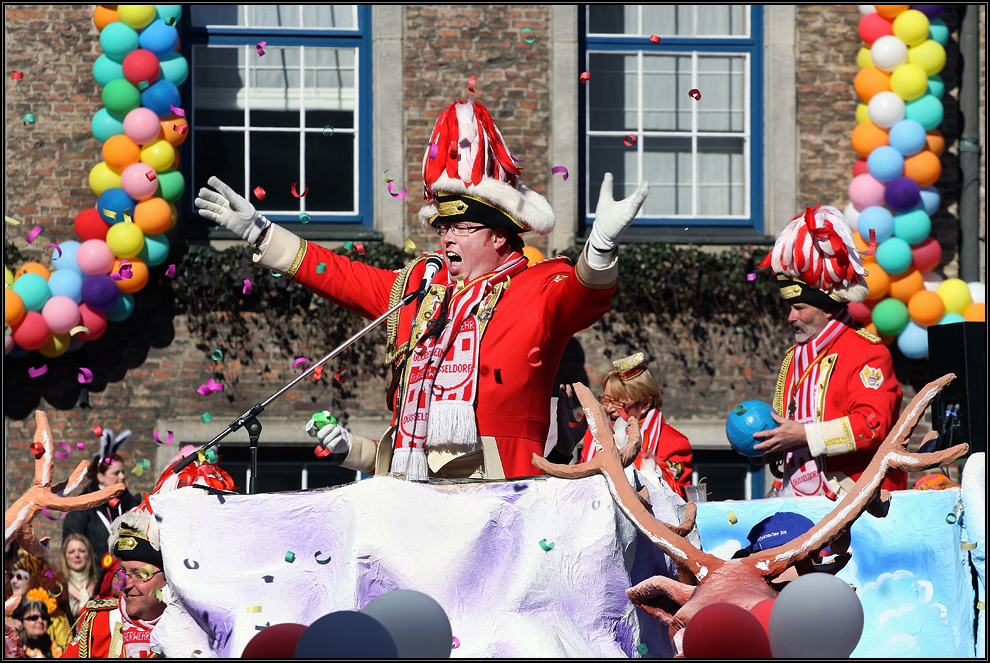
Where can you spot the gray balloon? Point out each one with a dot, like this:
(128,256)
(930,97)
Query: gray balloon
(417,623)
(346,634)
(816,616)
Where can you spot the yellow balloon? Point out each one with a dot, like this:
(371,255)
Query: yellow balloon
(863,58)
(8,277)
(175,217)
(929,55)
(955,293)
(136,16)
(862,113)
(125,240)
(911,27)
(102,177)
(160,154)
(56,345)
(909,81)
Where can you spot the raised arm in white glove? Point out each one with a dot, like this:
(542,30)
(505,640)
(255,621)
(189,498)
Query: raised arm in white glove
(334,438)
(611,219)
(231,211)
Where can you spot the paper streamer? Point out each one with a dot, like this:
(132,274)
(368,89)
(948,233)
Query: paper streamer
(546,546)
(154,434)
(61,587)
(180,128)
(290,557)
(386,179)
(529,40)
(751,276)
(206,417)
(81,446)
(968,546)
(49,573)
(732,518)
(559,169)
(58,249)
(191,568)
(359,247)
(410,245)
(298,361)
(303,216)
(216,355)
(296,193)
(44,511)
(38,372)
(341,375)
(330,127)
(584,77)
(85,375)
(321,268)
(98,431)
(642,649)
(150,175)
(28,119)
(655,39)
(471,82)
(455,643)
(11,220)
(391,186)
(348,246)
(254,608)
(533,357)
(629,140)
(157,593)
(261,50)
(246,290)
(695,94)
(260,193)
(873,244)
(434,148)
(317,372)
(321,561)
(37,449)
(274,273)
(33,235)
(177,111)
(524,158)
(170,272)
(17,75)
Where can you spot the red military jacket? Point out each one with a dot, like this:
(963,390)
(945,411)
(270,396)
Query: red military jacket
(97,632)
(858,401)
(537,313)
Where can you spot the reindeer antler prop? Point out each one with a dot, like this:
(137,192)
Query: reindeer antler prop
(43,495)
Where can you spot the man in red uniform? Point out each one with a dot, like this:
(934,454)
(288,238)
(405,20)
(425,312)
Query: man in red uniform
(474,363)
(837,386)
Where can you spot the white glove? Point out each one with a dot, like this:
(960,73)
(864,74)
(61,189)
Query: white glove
(611,220)
(231,211)
(335,439)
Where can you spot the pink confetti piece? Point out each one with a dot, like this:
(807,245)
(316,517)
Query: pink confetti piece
(58,249)
(298,361)
(44,511)
(751,276)
(49,574)
(81,446)
(695,94)
(455,643)
(38,372)
(655,39)
(471,82)
(873,244)
(261,51)
(180,128)
(204,390)
(524,158)
(533,358)
(171,436)
(260,193)
(629,140)
(341,375)
(214,385)
(359,247)
(63,454)
(151,175)
(296,193)
(559,169)
(177,111)
(170,272)
(584,77)
(33,235)
(318,372)
(391,186)
(434,148)
(85,376)
(247,287)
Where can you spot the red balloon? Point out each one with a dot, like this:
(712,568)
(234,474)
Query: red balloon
(762,612)
(95,321)
(31,332)
(141,65)
(927,255)
(859,167)
(275,642)
(873,26)
(90,225)
(862,313)
(723,630)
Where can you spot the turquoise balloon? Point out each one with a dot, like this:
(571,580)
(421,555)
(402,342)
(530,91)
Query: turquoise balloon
(118,39)
(105,124)
(33,291)
(913,341)
(913,227)
(926,110)
(936,86)
(171,185)
(938,31)
(894,256)
(175,68)
(66,283)
(166,12)
(122,309)
(106,70)
(121,97)
(950,318)
(155,250)
(891,316)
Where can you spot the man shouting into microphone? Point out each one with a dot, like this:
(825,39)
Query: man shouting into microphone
(474,362)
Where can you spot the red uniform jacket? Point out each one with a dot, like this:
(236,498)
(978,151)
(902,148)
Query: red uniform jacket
(94,631)
(542,307)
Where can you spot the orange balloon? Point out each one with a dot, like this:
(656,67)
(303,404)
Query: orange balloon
(105,15)
(926,308)
(891,11)
(119,152)
(175,217)
(924,168)
(532,254)
(936,142)
(904,286)
(870,81)
(169,122)
(175,161)
(13,307)
(863,246)
(887,340)
(139,275)
(33,268)
(975,312)
(867,137)
(153,215)
(878,282)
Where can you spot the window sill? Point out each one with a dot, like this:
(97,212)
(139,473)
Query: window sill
(698,236)
(342,232)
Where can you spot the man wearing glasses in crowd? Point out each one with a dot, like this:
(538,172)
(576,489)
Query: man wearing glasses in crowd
(471,391)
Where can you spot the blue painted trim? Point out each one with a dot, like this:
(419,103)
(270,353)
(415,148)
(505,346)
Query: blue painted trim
(280,39)
(681,45)
(756,481)
(265,33)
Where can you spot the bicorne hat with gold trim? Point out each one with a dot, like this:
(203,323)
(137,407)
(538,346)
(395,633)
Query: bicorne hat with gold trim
(815,259)
(469,175)
(629,367)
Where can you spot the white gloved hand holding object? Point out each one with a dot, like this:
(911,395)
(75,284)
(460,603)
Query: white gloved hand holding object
(230,210)
(334,439)
(611,220)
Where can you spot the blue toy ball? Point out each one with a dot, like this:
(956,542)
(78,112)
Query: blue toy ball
(745,419)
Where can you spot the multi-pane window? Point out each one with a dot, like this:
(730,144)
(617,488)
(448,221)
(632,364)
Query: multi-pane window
(294,110)
(644,119)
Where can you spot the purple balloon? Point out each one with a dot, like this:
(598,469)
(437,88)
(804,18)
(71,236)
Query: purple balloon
(100,292)
(902,194)
(931,11)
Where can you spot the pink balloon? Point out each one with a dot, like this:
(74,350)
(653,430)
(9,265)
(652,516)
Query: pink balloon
(927,255)
(135,183)
(859,167)
(8,345)
(61,313)
(861,313)
(93,320)
(866,191)
(94,257)
(142,125)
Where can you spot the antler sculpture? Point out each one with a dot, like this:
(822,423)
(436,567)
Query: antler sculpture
(43,495)
(742,582)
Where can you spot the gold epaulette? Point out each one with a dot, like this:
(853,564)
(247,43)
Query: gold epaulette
(102,604)
(869,336)
(557,258)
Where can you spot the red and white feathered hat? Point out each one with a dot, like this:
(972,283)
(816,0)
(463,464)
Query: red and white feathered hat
(815,259)
(468,175)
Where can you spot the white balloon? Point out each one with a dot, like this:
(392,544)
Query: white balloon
(932,281)
(852,216)
(865,10)
(885,109)
(888,53)
(978,292)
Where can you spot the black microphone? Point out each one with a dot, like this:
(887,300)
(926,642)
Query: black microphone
(433,266)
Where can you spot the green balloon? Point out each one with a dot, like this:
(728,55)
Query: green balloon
(120,97)
(106,70)
(894,255)
(891,316)
(171,185)
(105,124)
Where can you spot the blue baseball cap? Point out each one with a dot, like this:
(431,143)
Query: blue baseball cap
(778,529)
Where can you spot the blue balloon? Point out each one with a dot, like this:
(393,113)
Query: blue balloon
(115,200)
(950,318)
(936,86)
(33,290)
(159,38)
(913,341)
(118,39)
(346,634)
(122,308)
(155,250)
(913,227)
(927,111)
(106,70)
(885,163)
(938,31)
(17,351)
(907,137)
(68,259)
(745,419)
(175,68)
(67,283)
(159,96)
(894,256)
(105,124)
(877,219)
(931,199)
